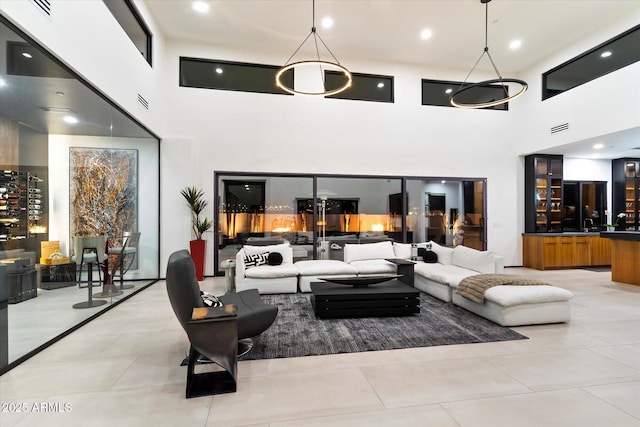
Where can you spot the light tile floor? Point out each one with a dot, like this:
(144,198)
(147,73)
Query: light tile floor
(123,369)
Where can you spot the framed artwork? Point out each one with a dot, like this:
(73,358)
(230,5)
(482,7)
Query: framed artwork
(103,186)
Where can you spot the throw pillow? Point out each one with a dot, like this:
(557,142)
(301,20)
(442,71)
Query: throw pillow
(254,260)
(428,256)
(210,300)
(274,258)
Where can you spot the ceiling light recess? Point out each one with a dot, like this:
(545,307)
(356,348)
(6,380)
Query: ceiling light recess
(322,64)
(454,99)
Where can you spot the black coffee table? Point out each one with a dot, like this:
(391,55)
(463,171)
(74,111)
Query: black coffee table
(391,298)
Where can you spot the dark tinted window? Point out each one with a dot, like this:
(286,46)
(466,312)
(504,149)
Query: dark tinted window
(438,92)
(610,56)
(240,76)
(364,87)
(132,23)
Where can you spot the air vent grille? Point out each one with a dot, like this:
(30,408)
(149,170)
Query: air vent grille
(143,101)
(560,128)
(43,5)
(58,110)
(636,148)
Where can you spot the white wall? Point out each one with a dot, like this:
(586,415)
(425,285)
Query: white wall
(606,105)
(235,131)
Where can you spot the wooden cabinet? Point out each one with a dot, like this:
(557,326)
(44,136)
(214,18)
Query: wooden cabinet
(625,175)
(543,193)
(542,251)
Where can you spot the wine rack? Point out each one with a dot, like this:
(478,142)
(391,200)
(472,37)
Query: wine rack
(21,205)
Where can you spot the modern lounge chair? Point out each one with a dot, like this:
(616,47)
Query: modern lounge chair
(213,331)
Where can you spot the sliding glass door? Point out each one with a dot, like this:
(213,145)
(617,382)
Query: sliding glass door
(319,214)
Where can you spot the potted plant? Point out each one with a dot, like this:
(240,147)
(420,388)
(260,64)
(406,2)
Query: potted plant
(199,225)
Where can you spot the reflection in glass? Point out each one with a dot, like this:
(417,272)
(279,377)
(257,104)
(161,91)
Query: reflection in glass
(45,111)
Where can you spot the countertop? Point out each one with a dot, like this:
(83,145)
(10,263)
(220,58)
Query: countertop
(621,235)
(571,233)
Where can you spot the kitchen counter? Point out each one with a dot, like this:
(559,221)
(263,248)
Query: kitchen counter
(625,256)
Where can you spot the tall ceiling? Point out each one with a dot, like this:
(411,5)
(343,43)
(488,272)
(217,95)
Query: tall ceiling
(389,30)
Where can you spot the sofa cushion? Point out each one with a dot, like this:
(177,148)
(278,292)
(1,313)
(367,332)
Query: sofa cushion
(480,261)
(254,260)
(444,254)
(380,250)
(507,296)
(272,271)
(274,258)
(324,267)
(284,249)
(374,266)
(449,274)
(402,250)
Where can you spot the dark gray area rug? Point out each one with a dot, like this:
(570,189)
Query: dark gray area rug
(297,332)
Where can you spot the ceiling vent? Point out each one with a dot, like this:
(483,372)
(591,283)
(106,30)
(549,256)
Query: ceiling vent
(143,101)
(636,148)
(559,128)
(43,6)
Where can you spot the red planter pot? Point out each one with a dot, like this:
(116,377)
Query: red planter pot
(198,249)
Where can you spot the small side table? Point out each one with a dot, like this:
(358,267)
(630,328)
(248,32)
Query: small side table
(229,267)
(405,268)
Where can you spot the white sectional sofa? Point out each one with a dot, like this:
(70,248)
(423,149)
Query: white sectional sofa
(267,279)
(440,279)
(505,305)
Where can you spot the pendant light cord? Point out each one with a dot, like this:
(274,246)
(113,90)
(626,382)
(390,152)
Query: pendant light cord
(486,50)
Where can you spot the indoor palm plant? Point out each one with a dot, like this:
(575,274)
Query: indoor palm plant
(199,225)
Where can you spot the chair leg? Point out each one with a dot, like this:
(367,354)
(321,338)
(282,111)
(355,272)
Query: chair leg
(207,383)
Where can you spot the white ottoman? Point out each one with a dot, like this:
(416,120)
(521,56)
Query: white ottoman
(521,305)
(312,269)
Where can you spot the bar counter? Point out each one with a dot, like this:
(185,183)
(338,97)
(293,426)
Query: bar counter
(565,250)
(625,256)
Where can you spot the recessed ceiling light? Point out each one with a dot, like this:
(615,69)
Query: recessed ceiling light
(605,54)
(60,93)
(70,119)
(515,44)
(327,22)
(380,85)
(2,83)
(448,91)
(426,34)
(598,146)
(219,70)
(200,6)
(443,182)
(27,55)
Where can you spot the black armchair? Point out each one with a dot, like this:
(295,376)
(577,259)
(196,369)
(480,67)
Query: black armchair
(213,331)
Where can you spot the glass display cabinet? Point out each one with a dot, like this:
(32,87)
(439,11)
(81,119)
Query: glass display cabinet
(543,193)
(626,194)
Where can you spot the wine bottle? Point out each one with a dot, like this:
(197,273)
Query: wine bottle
(10,173)
(34,217)
(35,190)
(34,211)
(35,201)
(3,189)
(34,178)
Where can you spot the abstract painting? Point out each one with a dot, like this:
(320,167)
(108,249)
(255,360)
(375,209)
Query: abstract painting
(103,185)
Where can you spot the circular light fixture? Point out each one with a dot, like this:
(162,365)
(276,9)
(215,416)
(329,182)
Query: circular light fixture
(605,54)
(515,44)
(288,65)
(219,70)
(500,79)
(336,67)
(426,34)
(70,119)
(493,103)
(598,146)
(27,55)
(380,85)
(448,91)
(200,6)
(327,22)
